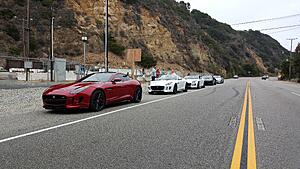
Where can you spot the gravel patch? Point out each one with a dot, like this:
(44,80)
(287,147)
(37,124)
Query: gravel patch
(19,101)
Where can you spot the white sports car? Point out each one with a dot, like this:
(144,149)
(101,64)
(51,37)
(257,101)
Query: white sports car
(194,81)
(168,84)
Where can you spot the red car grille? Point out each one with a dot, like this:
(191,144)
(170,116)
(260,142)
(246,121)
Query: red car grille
(55,99)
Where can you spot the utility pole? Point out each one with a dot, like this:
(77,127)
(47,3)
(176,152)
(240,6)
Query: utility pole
(28,37)
(23,38)
(51,48)
(106,36)
(291,53)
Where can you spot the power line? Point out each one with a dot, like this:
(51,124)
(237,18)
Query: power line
(281,27)
(263,20)
(284,30)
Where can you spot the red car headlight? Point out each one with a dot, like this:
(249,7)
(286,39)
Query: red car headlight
(78,90)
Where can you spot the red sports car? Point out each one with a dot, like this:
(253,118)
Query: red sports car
(93,92)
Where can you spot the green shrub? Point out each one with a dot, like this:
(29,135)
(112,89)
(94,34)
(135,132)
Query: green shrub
(20,2)
(33,44)
(15,51)
(12,31)
(6,14)
(130,1)
(99,24)
(47,2)
(67,20)
(114,47)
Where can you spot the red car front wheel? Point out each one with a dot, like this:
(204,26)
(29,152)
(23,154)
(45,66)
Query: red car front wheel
(97,101)
(138,94)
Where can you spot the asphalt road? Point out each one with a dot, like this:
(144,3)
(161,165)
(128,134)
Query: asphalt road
(197,129)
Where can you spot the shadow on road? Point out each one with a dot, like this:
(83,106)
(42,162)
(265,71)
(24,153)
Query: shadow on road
(83,111)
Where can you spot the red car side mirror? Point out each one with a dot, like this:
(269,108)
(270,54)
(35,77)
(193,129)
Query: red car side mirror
(116,80)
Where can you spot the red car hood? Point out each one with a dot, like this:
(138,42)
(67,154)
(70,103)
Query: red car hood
(63,89)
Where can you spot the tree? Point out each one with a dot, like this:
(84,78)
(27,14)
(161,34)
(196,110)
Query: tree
(147,60)
(298,49)
(186,5)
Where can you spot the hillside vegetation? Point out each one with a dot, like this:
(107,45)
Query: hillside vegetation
(168,32)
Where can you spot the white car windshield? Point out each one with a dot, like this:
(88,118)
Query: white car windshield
(207,77)
(168,77)
(192,77)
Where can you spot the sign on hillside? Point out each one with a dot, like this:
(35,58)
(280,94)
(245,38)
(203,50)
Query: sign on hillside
(134,55)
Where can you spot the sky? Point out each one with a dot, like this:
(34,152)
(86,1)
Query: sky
(239,11)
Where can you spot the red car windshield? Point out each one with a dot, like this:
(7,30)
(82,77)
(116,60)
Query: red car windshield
(98,77)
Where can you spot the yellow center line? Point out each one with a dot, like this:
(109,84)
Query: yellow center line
(251,160)
(237,154)
(251,153)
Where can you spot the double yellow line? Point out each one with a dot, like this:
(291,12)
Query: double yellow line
(240,147)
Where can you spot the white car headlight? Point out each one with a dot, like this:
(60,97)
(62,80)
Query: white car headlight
(78,90)
(170,83)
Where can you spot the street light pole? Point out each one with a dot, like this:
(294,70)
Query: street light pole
(106,36)
(84,39)
(84,54)
(290,63)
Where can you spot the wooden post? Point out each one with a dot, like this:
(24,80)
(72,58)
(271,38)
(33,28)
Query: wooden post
(133,55)
(133,69)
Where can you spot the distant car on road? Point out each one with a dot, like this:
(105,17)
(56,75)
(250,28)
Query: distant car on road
(93,92)
(168,84)
(209,80)
(235,76)
(219,79)
(194,81)
(265,77)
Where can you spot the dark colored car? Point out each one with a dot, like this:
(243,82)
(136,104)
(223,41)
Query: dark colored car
(93,92)
(209,80)
(265,77)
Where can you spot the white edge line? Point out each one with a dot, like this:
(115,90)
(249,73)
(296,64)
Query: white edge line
(89,118)
(296,94)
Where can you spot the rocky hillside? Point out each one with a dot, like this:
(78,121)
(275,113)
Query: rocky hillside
(169,34)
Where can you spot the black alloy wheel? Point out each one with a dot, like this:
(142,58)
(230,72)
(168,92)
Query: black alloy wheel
(198,85)
(185,88)
(97,101)
(138,94)
(175,89)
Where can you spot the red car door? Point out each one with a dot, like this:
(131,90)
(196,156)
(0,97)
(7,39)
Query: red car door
(127,86)
(119,88)
(113,91)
